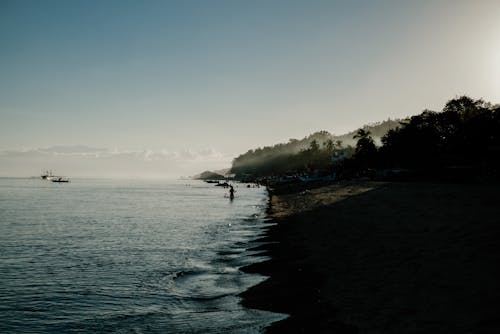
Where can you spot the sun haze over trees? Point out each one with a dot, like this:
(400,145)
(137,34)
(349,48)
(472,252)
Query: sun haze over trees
(464,136)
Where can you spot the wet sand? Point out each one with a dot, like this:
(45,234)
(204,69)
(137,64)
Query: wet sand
(383,258)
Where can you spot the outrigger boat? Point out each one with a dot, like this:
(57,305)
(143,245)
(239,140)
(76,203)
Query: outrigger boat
(47,175)
(59,179)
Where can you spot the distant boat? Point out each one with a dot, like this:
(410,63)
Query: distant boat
(225,184)
(59,179)
(47,175)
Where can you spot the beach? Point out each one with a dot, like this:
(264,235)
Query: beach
(375,257)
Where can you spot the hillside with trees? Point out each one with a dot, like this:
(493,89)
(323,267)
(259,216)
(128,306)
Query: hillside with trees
(299,156)
(463,137)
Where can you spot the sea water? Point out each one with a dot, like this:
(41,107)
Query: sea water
(127,256)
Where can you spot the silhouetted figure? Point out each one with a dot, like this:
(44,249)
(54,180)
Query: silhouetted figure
(231,192)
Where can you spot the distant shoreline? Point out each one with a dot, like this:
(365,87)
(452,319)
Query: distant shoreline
(382,257)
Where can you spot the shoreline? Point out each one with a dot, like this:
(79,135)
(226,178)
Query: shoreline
(372,257)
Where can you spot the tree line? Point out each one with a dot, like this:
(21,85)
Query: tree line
(465,135)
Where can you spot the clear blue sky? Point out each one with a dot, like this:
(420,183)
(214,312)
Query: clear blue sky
(232,75)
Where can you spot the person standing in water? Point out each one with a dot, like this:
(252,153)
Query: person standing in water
(231,192)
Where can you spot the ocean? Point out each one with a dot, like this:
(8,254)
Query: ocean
(128,256)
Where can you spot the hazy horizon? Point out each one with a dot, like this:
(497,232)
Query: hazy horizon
(171,88)
(92,162)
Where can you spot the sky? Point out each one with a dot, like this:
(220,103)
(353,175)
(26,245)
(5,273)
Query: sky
(166,88)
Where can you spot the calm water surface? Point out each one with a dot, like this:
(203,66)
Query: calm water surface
(120,256)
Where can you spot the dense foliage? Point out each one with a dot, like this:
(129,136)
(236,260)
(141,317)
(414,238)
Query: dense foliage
(287,158)
(317,151)
(466,134)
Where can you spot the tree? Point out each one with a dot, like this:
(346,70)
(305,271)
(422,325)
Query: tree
(329,146)
(314,146)
(366,150)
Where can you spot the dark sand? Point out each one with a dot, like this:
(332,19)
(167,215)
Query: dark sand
(383,258)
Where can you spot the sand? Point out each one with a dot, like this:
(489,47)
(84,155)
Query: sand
(373,257)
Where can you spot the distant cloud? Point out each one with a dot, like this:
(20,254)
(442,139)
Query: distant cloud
(56,150)
(73,150)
